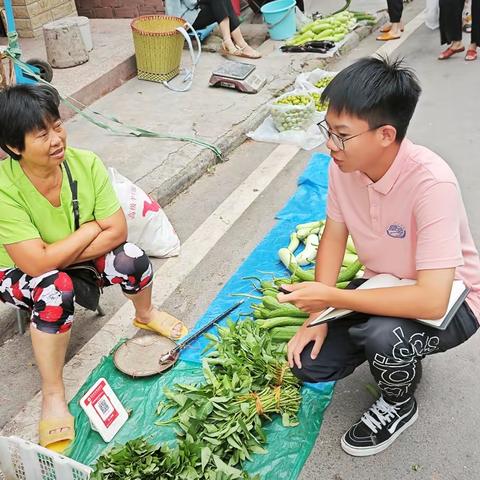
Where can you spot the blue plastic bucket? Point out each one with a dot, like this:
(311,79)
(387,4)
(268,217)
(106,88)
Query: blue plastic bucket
(280,18)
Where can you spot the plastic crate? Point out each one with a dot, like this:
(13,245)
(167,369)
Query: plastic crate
(23,460)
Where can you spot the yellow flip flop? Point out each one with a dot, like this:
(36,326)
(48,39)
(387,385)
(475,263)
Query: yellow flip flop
(385,37)
(56,434)
(163,324)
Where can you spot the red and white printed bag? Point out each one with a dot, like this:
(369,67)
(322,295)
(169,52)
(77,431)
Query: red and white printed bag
(148,225)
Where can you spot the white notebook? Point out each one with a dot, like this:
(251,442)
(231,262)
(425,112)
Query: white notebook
(384,280)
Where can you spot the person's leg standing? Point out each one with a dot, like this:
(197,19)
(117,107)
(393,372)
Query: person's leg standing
(451,27)
(395,10)
(394,29)
(394,349)
(475,35)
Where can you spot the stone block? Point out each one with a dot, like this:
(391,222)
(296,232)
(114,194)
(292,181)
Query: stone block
(64,44)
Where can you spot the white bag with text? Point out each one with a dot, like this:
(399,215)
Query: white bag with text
(148,225)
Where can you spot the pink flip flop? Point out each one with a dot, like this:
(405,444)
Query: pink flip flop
(471,55)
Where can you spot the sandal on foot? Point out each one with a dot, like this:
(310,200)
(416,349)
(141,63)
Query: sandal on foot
(471,55)
(254,56)
(387,27)
(163,324)
(385,37)
(226,52)
(56,434)
(449,52)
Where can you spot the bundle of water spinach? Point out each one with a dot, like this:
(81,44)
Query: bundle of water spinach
(219,422)
(141,460)
(247,382)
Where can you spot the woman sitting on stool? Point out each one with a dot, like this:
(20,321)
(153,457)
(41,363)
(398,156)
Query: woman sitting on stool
(43,232)
(203,13)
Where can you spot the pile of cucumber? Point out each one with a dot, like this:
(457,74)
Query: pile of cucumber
(334,27)
(282,320)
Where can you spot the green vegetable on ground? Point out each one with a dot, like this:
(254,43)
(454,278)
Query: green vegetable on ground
(219,422)
(281,322)
(322,83)
(293,112)
(307,233)
(283,334)
(319,105)
(334,27)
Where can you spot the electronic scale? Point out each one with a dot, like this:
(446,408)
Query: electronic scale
(237,76)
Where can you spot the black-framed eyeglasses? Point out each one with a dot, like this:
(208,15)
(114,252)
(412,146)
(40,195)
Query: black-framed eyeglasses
(337,139)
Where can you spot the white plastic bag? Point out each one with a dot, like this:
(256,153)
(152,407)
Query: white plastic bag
(307,80)
(148,226)
(307,139)
(293,116)
(432,14)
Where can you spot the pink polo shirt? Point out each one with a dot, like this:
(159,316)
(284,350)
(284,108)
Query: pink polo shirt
(412,219)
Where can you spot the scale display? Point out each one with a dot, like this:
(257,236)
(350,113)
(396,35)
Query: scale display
(237,76)
(235,70)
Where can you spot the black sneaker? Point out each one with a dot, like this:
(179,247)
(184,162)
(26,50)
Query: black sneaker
(379,426)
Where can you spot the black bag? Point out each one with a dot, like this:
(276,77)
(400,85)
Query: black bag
(85,277)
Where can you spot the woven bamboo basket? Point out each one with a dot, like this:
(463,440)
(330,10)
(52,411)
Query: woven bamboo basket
(158,46)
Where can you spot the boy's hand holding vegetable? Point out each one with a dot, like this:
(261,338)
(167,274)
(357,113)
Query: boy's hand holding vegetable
(310,297)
